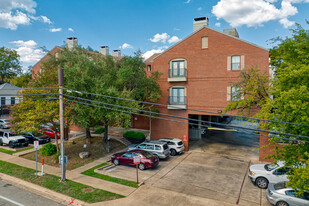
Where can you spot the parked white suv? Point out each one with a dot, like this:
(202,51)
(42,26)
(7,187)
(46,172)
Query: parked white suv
(262,174)
(175,145)
(12,140)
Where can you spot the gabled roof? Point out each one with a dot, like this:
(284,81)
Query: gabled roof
(8,89)
(150,59)
(214,31)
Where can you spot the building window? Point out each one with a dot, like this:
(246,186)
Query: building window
(12,100)
(148,68)
(204,42)
(235,62)
(178,69)
(235,96)
(178,96)
(2,101)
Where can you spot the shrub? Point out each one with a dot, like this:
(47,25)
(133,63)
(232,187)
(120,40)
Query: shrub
(48,149)
(99,130)
(132,134)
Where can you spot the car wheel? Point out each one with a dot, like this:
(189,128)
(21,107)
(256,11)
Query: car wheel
(141,166)
(116,162)
(1,126)
(11,144)
(261,182)
(1,142)
(282,203)
(173,152)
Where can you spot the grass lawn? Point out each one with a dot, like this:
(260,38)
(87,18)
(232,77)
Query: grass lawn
(91,173)
(12,152)
(96,147)
(70,188)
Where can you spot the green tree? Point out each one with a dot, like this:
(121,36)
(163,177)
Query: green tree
(23,79)
(9,64)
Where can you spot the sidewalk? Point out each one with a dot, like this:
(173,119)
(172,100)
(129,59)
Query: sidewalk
(74,174)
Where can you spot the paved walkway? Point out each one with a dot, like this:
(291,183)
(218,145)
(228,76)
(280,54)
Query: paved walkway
(74,174)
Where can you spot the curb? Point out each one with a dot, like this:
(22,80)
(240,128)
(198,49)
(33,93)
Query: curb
(42,191)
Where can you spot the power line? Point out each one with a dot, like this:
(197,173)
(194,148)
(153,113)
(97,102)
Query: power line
(35,88)
(130,112)
(173,116)
(175,107)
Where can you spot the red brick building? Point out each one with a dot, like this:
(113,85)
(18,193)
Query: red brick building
(197,73)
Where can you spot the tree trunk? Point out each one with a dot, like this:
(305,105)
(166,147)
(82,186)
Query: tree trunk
(56,138)
(88,134)
(105,132)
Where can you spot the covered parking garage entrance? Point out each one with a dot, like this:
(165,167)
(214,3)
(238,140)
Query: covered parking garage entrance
(220,135)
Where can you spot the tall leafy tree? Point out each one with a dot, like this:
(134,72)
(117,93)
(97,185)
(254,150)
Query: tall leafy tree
(9,64)
(289,59)
(23,79)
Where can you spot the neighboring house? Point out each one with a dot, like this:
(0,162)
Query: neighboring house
(8,96)
(197,73)
(71,42)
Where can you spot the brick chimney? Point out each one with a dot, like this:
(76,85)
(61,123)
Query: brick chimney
(104,50)
(71,43)
(231,32)
(199,22)
(116,53)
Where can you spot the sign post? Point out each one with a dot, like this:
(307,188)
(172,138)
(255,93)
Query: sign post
(108,139)
(42,166)
(36,146)
(137,161)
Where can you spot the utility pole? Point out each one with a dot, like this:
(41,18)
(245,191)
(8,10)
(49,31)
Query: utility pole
(60,83)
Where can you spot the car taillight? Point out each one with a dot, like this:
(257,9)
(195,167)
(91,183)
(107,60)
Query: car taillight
(178,147)
(270,192)
(150,161)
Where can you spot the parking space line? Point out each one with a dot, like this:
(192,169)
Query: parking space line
(242,184)
(11,201)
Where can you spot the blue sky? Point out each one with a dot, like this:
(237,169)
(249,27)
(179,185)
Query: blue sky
(129,25)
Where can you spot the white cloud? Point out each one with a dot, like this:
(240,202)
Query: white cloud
(18,12)
(218,24)
(55,29)
(160,38)
(255,13)
(149,53)
(9,5)
(70,29)
(173,39)
(126,46)
(188,1)
(28,51)
(199,9)
(46,20)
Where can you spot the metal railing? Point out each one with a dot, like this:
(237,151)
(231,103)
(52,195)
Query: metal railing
(172,73)
(177,100)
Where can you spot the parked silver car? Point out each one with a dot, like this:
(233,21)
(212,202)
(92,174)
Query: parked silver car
(160,149)
(262,174)
(174,144)
(280,195)
(4,124)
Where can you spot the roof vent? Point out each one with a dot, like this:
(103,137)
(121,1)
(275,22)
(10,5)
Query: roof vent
(116,53)
(104,50)
(231,32)
(199,23)
(71,43)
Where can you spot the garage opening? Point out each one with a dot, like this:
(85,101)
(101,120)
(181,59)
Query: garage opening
(224,138)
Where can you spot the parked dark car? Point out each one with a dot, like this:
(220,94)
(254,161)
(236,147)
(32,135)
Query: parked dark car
(126,158)
(31,136)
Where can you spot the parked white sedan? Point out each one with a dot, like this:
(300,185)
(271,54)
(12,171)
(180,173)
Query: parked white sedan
(262,174)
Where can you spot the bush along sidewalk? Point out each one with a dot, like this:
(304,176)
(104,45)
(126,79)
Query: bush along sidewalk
(73,189)
(91,173)
(134,137)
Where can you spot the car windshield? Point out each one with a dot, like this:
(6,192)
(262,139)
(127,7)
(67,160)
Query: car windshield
(146,154)
(38,134)
(179,143)
(279,186)
(270,167)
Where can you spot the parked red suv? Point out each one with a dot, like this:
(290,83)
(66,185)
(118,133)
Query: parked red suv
(126,158)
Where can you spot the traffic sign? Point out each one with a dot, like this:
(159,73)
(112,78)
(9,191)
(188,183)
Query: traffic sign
(36,144)
(136,160)
(184,138)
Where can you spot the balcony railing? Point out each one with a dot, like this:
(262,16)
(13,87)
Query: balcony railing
(174,73)
(177,102)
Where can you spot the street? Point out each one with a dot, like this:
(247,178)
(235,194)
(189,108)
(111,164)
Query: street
(11,195)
